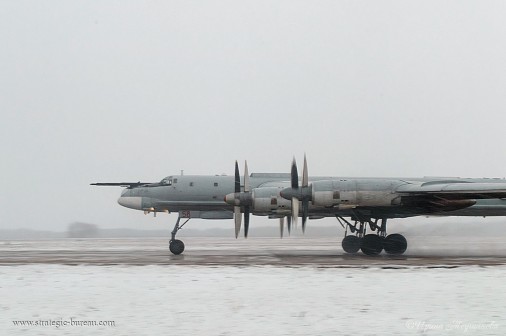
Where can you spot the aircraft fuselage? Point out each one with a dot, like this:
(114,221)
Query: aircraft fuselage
(205,196)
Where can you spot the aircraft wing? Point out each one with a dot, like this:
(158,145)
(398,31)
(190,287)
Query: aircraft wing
(121,184)
(455,190)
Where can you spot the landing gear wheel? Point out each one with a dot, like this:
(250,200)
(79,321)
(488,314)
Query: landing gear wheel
(176,246)
(351,244)
(372,244)
(395,244)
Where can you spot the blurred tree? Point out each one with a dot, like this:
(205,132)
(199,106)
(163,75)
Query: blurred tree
(82,230)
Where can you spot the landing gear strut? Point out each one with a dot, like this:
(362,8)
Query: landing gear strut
(370,244)
(176,246)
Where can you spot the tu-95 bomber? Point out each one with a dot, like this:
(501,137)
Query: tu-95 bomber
(361,205)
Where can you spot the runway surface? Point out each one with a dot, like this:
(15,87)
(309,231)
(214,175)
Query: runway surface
(258,286)
(290,252)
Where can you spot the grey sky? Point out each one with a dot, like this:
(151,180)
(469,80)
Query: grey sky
(138,90)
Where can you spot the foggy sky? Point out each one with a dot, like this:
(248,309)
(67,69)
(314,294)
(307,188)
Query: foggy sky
(105,91)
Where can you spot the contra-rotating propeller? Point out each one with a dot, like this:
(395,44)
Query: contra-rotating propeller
(298,193)
(241,199)
(282,225)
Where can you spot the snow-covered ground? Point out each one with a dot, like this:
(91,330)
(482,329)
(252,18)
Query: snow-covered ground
(197,300)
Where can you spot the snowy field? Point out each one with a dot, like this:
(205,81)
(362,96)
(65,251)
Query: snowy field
(203,300)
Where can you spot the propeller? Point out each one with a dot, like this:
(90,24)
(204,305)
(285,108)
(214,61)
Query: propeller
(282,225)
(241,199)
(247,189)
(296,193)
(237,208)
(295,186)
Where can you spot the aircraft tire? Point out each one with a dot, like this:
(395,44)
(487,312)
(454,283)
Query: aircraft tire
(395,244)
(351,244)
(176,246)
(372,245)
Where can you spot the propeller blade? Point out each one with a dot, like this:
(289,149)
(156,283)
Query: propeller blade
(305,201)
(246,221)
(237,218)
(295,175)
(281,226)
(295,211)
(305,177)
(305,210)
(289,224)
(247,186)
(237,188)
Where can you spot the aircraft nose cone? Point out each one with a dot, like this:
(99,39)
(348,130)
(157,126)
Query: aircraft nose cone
(131,202)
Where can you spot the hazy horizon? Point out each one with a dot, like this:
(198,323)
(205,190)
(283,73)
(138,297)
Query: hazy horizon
(126,91)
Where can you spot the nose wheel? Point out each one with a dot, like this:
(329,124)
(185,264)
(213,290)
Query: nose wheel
(176,246)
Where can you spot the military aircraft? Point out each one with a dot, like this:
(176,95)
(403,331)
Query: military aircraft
(361,205)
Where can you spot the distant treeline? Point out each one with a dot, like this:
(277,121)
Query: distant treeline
(84,230)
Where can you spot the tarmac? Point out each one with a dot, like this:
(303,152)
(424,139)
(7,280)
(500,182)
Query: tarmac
(425,252)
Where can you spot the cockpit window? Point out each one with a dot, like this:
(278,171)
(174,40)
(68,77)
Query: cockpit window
(167,181)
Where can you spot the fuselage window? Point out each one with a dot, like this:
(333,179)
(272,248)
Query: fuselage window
(175,180)
(191,184)
(215,184)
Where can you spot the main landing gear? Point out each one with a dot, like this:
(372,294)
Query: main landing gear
(176,246)
(373,243)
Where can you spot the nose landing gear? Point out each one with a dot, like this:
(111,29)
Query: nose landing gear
(176,246)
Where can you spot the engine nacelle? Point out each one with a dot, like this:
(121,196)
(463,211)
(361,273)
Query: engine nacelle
(351,193)
(325,194)
(267,200)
